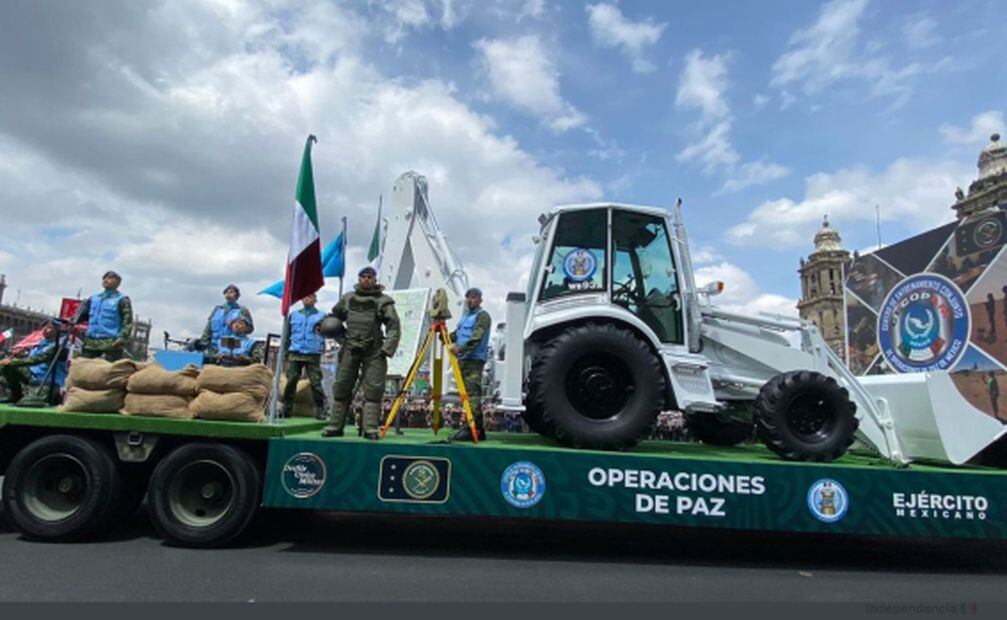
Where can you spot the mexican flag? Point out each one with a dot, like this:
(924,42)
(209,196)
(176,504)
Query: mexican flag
(304,258)
(374,251)
(6,335)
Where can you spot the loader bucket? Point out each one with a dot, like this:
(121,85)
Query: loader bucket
(932,419)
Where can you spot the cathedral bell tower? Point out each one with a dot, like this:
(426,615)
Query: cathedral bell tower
(822,287)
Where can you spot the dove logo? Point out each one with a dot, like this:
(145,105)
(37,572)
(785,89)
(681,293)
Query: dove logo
(522,484)
(923,324)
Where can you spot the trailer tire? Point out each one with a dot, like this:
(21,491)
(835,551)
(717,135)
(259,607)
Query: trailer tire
(532,416)
(597,386)
(805,416)
(714,430)
(61,488)
(203,495)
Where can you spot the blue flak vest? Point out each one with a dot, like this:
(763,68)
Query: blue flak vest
(304,337)
(103,320)
(222,315)
(38,371)
(244,347)
(464,332)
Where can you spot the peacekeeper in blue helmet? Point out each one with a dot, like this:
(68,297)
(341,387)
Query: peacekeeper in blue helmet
(217,325)
(109,316)
(471,346)
(236,349)
(303,346)
(39,369)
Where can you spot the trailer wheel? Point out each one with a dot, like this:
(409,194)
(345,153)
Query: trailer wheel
(533,418)
(597,386)
(805,416)
(203,495)
(718,430)
(61,488)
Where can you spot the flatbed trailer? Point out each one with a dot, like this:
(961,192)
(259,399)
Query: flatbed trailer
(69,475)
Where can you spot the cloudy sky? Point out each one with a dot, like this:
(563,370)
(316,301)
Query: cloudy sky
(162,139)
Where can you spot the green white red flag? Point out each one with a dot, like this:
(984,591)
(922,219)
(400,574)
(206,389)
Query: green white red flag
(304,258)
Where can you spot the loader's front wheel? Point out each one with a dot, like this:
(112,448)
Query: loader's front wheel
(597,386)
(805,416)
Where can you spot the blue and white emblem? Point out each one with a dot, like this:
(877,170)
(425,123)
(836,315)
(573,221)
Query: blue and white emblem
(522,484)
(923,324)
(828,501)
(579,265)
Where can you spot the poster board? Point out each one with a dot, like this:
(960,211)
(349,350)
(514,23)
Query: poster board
(412,306)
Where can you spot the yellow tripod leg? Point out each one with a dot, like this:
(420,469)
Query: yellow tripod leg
(437,385)
(401,398)
(462,392)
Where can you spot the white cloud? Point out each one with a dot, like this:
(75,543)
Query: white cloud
(610,28)
(412,15)
(759,101)
(754,173)
(175,162)
(702,85)
(916,192)
(531,8)
(522,74)
(920,31)
(983,126)
(741,292)
(829,52)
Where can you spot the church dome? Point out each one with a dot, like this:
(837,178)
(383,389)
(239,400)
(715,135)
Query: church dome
(827,239)
(993,158)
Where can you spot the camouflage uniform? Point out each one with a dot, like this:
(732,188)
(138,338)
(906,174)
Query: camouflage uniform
(472,368)
(242,312)
(111,349)
(16,374)
(364,353)
(312,366)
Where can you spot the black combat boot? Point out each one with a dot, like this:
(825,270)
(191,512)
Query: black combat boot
(464,434)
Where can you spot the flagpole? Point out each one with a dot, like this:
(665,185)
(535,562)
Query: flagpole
(342,251)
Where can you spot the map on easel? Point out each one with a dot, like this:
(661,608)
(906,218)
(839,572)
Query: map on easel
(412,306)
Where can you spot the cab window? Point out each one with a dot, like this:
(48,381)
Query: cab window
(577,262)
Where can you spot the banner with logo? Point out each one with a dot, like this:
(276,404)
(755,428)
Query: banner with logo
(936,302)
(750,492)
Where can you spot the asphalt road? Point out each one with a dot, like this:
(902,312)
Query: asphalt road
(303,556)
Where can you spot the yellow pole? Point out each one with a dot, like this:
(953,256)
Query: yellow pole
(462,392)
(405,386)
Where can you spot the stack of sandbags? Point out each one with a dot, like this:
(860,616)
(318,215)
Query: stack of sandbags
(153,391)
(236,394)
(97,386)
(304,402)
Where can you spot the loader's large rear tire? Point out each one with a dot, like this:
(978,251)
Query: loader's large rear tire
(805,416)
(718,429)
(597,386)
(61,488)
(532,416)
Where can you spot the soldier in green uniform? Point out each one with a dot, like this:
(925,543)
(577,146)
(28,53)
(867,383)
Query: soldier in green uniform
(304,345)
(109,316)
(471,347)
(39,369)
(365,352)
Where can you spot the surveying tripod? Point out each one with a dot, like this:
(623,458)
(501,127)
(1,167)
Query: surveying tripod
(437,337)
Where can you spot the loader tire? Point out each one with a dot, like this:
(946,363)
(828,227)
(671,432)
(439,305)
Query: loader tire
(597,386)
(61,488)
(715,430)
(532,416)
(805,416)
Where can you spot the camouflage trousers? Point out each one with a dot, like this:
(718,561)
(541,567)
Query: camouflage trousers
(472,375)
(370,367)
(311,366)
(111,349)
(18,383)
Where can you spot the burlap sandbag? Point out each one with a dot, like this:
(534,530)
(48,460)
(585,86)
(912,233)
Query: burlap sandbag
(304,402)
(157,406)
(93,401)
(98,374)
(255,380)
(155,380)
(235,407)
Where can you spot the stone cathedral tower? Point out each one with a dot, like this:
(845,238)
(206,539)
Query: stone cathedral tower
(822,287)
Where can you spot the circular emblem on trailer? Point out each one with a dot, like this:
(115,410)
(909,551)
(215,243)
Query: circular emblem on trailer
(523,484)
(579,265)
(923,324)
(987,233)
(303,475)
(828,501)
(420,479)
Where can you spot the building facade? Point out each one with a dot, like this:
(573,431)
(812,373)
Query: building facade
(822,301)
(990,187)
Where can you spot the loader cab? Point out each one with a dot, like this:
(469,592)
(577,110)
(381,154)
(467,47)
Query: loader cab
(619,256)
